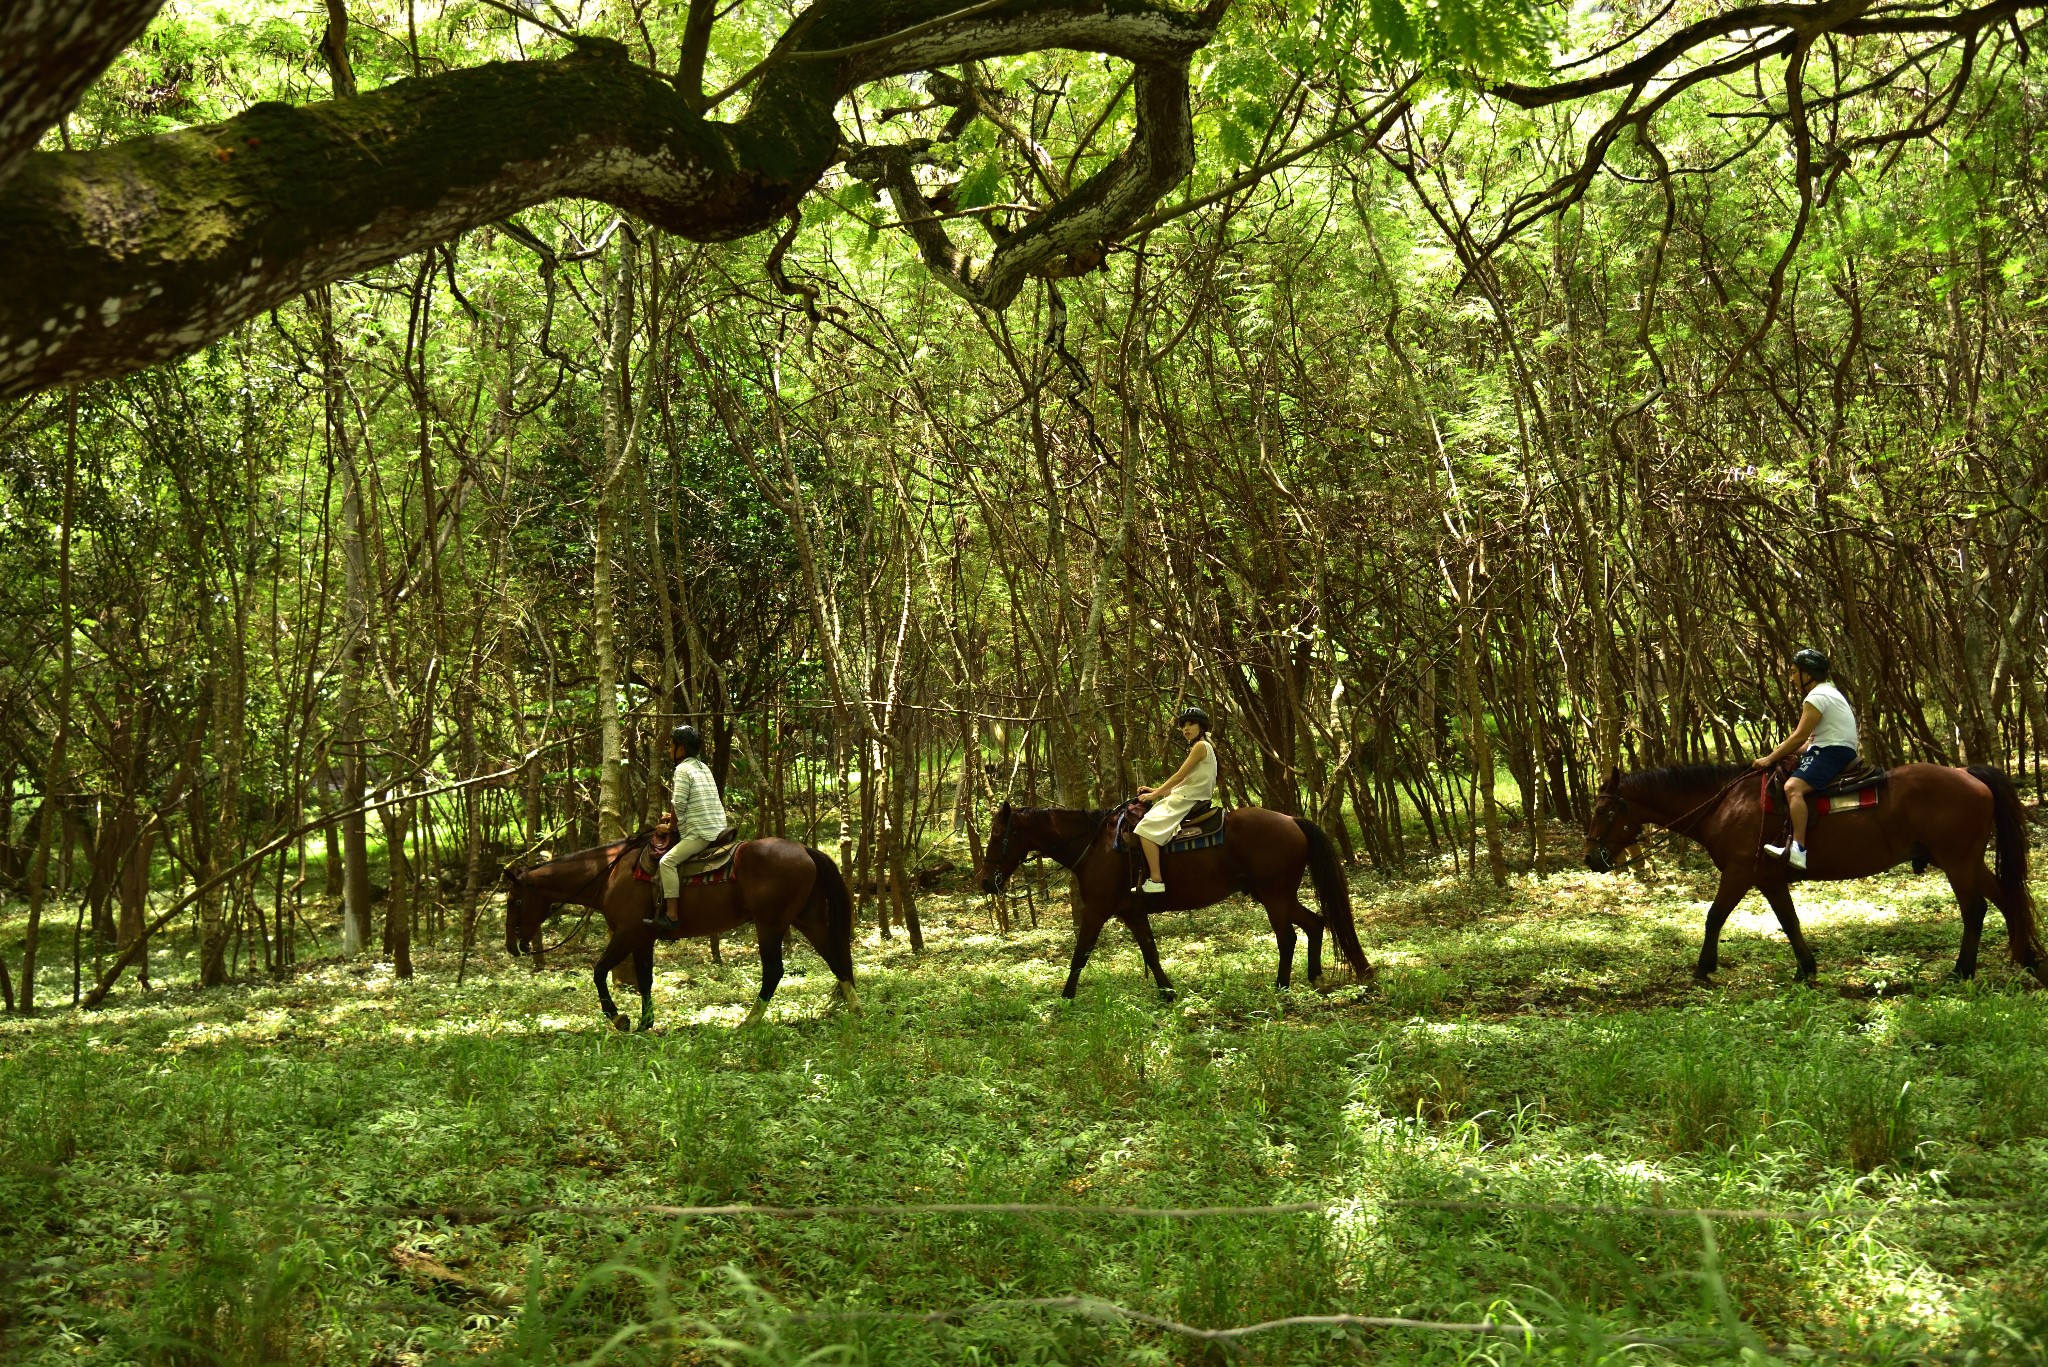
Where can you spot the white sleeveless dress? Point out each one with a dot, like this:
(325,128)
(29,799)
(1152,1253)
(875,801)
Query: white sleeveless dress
(1200,786)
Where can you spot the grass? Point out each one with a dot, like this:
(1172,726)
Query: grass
(254,1174)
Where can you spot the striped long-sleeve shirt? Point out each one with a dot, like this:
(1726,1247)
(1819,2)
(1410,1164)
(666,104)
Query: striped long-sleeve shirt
(695,800)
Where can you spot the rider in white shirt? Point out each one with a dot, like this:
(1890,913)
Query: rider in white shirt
(698,815)
(1826,740)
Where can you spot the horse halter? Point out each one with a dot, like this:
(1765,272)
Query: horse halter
(1001,875)
(999,853)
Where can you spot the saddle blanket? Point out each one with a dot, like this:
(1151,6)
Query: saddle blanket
(719,864)
(1183,842)
(1202,829)
(1822,804)
(724,873)
(1847,802)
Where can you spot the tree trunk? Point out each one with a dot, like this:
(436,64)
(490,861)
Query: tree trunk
(55,776)
(620,432)
(356,647)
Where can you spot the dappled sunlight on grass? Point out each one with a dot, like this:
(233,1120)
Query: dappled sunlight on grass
(1538,1044)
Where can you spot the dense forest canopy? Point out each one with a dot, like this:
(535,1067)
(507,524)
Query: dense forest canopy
(928,400)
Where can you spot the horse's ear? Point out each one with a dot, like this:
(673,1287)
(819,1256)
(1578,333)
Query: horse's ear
(1614,778)
(1004,810)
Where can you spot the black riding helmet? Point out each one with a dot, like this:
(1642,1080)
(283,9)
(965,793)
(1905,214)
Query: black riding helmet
(1195,715)
(1812,662)
(687,737)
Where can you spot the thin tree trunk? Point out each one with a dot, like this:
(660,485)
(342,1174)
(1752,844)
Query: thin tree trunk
(55,779)
(619,433)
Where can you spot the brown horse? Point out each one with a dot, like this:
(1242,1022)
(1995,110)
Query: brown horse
(1928,814)
(1263,853)
(779,884)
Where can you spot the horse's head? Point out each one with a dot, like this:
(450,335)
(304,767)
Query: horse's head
(525,909)
(1615,826)
(1007,846)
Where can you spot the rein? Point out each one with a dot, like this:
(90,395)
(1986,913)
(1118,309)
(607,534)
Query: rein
(631,844)
(1674,826)
(1002,851)
(1727,788)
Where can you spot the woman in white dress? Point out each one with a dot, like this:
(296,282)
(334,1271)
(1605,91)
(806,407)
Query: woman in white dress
(1193,783)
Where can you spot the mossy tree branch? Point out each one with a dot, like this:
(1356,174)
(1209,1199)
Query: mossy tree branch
(141,252)
(51,51)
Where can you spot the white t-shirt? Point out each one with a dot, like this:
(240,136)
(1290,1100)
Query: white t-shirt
(1837,720)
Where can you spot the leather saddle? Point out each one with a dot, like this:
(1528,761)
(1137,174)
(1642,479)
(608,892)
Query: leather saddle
(1860,777)
(710,859)
(1203,821)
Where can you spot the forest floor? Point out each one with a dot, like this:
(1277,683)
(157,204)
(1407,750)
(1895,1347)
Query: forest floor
(345,1168)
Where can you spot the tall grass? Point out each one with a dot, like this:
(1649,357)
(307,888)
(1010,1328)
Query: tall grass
(273,1173)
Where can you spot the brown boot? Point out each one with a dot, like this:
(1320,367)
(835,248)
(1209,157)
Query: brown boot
(670,920)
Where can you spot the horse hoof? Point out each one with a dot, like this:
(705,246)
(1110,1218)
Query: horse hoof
(1167,994)
(622,1022)
(755,1014)
(646,1025)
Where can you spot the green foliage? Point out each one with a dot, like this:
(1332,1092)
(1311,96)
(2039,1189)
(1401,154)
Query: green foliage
(275,1174)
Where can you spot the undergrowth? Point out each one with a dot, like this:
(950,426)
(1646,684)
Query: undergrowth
(326,1169)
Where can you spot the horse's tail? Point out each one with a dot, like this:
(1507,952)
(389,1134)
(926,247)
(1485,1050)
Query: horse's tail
(838,914)
(2009,824)
(1333,896)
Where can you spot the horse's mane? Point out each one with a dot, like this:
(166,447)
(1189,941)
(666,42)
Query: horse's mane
(1681,777)
(1092,813)
(601,851)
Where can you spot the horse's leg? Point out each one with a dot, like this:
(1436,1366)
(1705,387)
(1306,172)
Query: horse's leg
(1313,924)
(1969,886)
(1733,887)
(770,941)
(2019,923)
(1280,916)
(836,958)
(1141,931)
(643,977)
(1087,930)
(616,951)
(1780,898)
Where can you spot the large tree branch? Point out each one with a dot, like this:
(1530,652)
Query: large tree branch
(1719,46)
(1072,236)
(144,251)
(51,51)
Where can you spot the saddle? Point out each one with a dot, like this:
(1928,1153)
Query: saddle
(1200,829)
(713,858)
(1203,824)
(1857,786)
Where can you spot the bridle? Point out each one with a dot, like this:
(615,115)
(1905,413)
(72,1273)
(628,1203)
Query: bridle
(1675,826)
(519,881)
(1001,854)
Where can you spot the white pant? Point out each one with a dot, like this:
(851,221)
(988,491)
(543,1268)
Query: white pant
(684,848)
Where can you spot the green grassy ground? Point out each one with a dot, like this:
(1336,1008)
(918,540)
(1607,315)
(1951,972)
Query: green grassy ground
(260,1174)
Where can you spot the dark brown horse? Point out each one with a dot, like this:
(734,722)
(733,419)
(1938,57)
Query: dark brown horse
(1928,814)
(1264,853)
(779,884)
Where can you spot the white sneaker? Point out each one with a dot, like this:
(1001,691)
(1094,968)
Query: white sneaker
(1796,856)
(1152,885)
(1777,851)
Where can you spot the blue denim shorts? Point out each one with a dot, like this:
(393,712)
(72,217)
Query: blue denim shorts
(1823,764)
